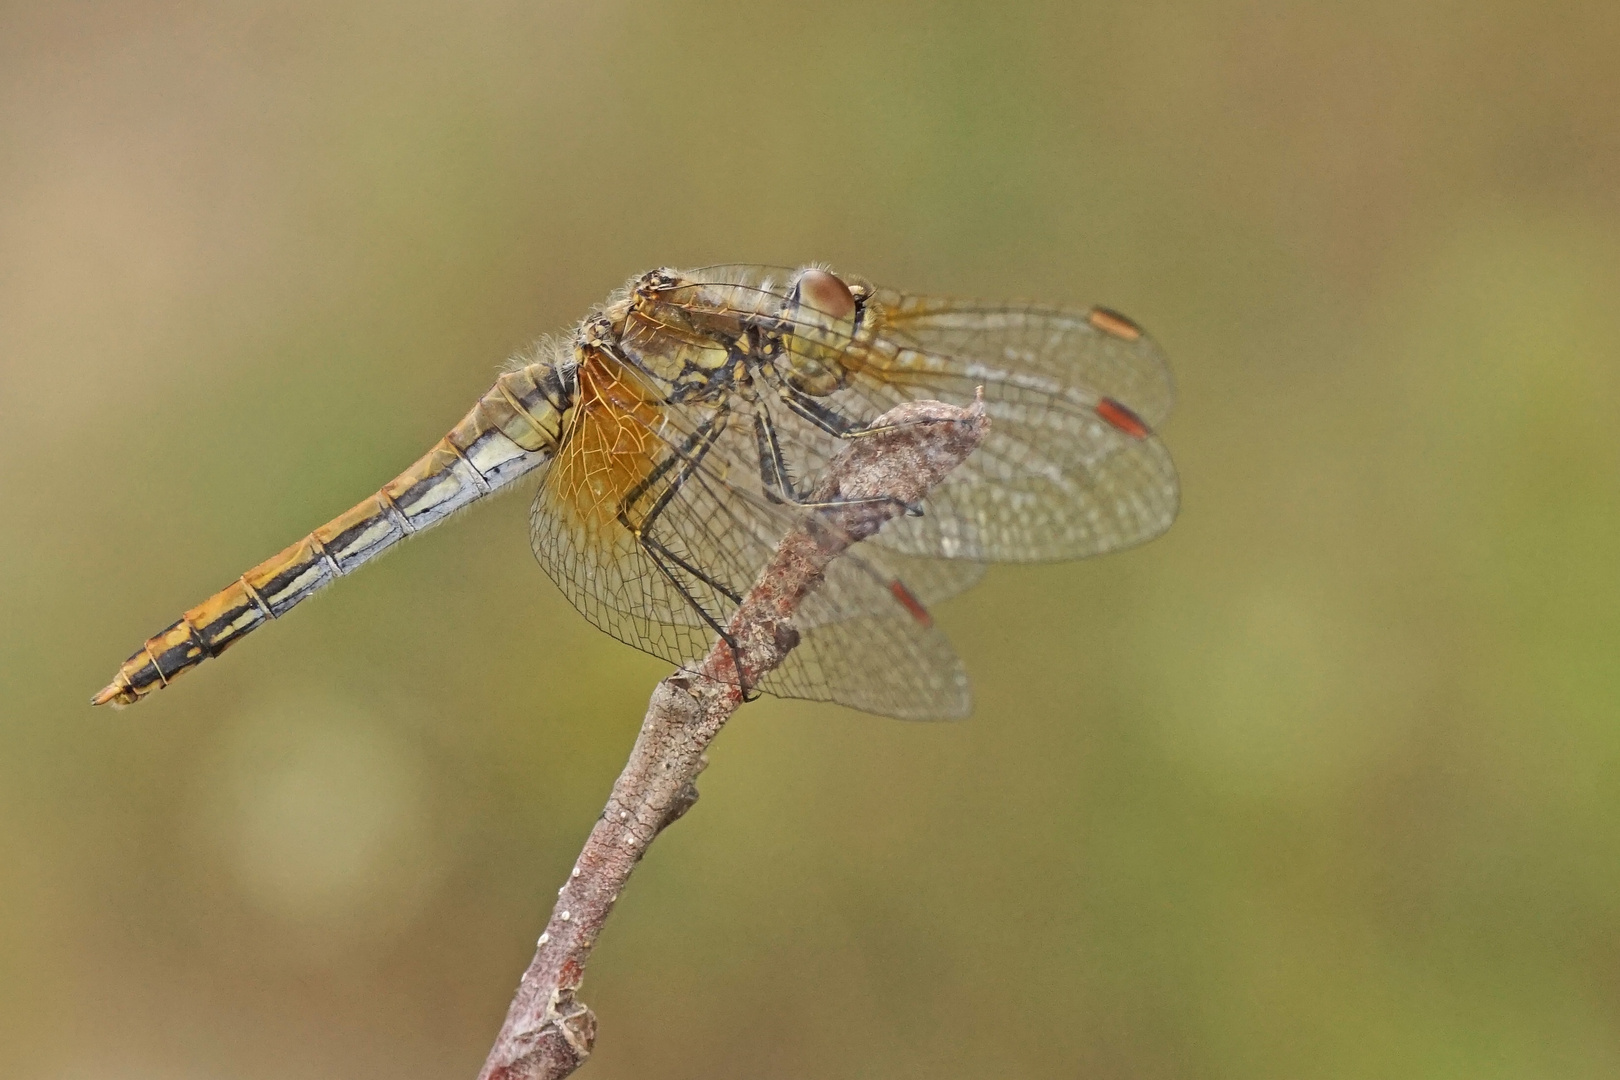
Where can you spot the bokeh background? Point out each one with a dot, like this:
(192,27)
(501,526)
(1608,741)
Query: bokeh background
(1325,783)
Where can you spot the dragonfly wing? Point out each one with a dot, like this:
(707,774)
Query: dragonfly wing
(1095,351)
(887,665)
(1071,466)
(1017,506)
(706,531)
(807,452)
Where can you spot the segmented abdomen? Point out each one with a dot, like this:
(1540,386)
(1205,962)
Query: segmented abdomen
(515,427)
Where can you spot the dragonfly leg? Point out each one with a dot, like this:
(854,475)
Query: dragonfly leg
(824,417)
(657,552)
(684,461)
(827,418)
(774,475)
(778,478)
(687,456)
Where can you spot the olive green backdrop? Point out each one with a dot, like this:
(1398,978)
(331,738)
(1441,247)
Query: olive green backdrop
(1325,783)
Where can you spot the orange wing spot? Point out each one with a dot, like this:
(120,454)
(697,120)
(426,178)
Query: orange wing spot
(910,602)
(610,447)
(1122,419)
(1112,322)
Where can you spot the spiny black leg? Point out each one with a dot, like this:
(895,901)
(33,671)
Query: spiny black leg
(775,474)
(689,455)
(643,531)
(827,419)
(773,467)
(659,546)
(654,550)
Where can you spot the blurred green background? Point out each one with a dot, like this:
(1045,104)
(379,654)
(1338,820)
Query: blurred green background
(1325,783)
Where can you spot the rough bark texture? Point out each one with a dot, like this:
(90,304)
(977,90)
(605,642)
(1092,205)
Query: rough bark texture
(548,1031)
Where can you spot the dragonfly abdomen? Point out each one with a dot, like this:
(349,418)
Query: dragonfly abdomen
(515,427)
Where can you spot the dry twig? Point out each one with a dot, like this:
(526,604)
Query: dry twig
(548,1032)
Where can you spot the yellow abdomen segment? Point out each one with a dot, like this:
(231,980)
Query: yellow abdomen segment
(514,427)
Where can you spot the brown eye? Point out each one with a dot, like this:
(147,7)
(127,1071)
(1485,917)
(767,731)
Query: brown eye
(826,293)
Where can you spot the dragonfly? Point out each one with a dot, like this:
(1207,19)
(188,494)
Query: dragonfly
(677,433)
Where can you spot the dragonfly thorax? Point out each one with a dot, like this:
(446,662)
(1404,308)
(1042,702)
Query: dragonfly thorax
(685,352)
(700,331)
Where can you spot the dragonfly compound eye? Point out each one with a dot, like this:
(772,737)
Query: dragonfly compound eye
(826,293)
(819,319)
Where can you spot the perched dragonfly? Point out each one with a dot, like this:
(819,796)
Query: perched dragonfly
(677,432)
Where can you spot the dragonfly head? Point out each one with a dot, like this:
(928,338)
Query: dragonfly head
(819,322)
(825,294)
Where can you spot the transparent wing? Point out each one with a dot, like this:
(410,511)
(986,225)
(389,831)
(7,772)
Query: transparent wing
(693,489)
(1078,355)
(1071,467)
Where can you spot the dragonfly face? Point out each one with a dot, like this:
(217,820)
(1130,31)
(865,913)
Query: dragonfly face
(677,434)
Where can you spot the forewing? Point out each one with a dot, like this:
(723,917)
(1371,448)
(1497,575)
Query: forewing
(1089,352)
(1071,466)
